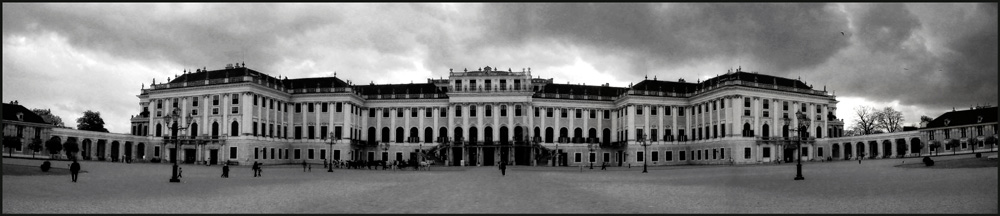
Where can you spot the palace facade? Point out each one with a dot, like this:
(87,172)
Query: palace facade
(485,116)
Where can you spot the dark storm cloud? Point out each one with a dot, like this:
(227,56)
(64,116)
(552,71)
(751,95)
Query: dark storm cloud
(190,35)
(937,57)
(781,36)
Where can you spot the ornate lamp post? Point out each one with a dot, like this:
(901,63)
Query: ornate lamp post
(173,117)
(644,144)
(385,148)
(798,140)
(333,140)
(591,146)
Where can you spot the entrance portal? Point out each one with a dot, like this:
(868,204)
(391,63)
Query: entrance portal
(213,156)
(504,155)
(489,156)
(456,156)
(789,155)
(189,156)
(473,157)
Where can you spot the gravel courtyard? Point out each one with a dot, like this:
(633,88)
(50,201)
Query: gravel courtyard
(875,186)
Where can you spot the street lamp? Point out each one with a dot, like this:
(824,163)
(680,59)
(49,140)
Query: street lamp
(173,117)
(644,144)
(591,146)
(798,167)
(333,140)
(385,148)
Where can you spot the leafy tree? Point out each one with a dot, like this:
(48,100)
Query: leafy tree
(934,146)
(71,149)
(11,143)
(34,146)
(53,146)
(866,122)
(926,119)
(990,141)
(889,120)
(47,115)
(91,121)
(953,144)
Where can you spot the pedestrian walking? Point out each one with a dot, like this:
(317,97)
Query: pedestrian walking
(310,167)
(254,168)
(604,165)
(503,168)
(74,170)
(225,170)
(303,165)
(179,171)
(260,169)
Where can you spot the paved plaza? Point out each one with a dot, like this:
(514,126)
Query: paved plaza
(875,186)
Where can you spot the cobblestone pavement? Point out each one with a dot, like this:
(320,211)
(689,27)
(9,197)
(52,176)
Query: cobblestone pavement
(874,186)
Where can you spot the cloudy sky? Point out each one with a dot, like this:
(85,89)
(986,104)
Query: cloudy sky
(922,59)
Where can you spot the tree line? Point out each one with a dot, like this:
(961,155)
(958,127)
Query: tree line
(871,120)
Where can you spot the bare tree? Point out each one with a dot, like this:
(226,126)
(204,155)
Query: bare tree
(926,119)
(889,120)
(866,122)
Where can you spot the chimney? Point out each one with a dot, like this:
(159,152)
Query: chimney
(229,66)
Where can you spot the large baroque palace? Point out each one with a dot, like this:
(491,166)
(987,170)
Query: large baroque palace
(487,116)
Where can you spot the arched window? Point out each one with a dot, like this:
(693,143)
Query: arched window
(399,134)
(159,130)
(234,130)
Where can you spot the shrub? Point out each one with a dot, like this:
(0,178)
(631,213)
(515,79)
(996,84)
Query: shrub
(979,155)
(928,161)
(46,166)
(155,160)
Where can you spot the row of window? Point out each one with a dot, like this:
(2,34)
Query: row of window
(310,154)
(962,131)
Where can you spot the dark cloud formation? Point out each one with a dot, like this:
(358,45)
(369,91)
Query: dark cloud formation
(947,58)
(932,55)
(780,36)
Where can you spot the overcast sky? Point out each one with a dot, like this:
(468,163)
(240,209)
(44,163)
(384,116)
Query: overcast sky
(922,59)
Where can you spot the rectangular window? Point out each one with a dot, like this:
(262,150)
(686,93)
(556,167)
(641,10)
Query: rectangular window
(669,155)
(652,110)
(322,154)
(654,156)
(640,156)
(156,152)
(819,151)
(803,107)
(194,101)
(579,113)
(767,114)
(563,113)
(722,153)
(517,110)
(159,104)
(593,114)
(503,110)
(336,154)
(323,107)
(175,102)
(699,154)
(413,112)
(766,105)
(746,153)
(537,113)
(255,100)
(607,114)
(428,112)
(577,157)
(298,153)
(722,104)
(311,107)
(215,111)
(310,154)
(194,112)
(681,156)
(963,132)
(472,111)
(766,152)
(236,99)
(298,107)
(340,107)
(489,111)
(746,112)
(235,110)
(715,154)
(746,102)
(548,112)
(444,111)
(680,112)
(371,113)
(639,109)
(805,151)
(458,111)
(270,103)
(784,105)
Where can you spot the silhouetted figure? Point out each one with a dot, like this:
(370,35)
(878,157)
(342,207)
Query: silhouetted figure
(256,169)
(604,165)
(225,171)
(503,168)
(179,171)
(74,170)
(303,165)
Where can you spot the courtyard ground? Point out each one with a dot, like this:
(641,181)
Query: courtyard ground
(874,186)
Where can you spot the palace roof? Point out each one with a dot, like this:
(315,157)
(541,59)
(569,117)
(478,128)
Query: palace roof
(964,117)
(11,111)
(582,90)
(414,88)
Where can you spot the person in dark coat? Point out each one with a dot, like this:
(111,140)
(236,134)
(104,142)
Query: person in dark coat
(503,168)
(303,165)
(179,171)
(255,168)
(225,171)
(74,170)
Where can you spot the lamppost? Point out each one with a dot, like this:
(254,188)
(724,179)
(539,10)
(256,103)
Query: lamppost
(385,149)
(798,167)
(333,140)
(644,144)
(591,147)
(173,117)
